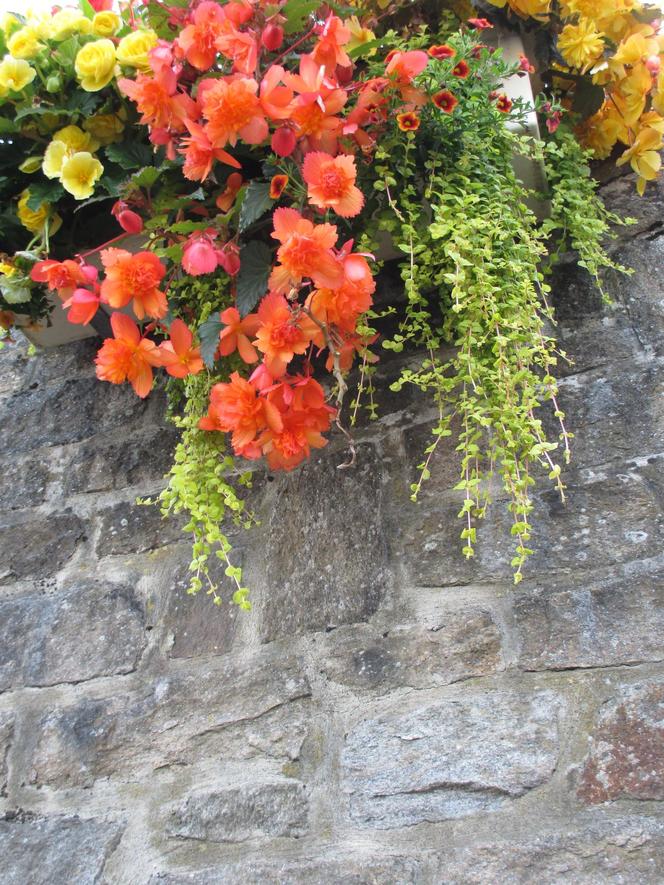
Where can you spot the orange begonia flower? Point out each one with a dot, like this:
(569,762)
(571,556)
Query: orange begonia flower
(304,415)
(319,100)
(403,67)
(127,356)
(157,101)
(134,276)
(306,251)
(236,334)
(60,276)
(282,333)
(200,154)
(342,306)
(232,110)
(82,306)
(178,356)
(236,408)
(276,99)
(331,183)
(329,51)
(197,40)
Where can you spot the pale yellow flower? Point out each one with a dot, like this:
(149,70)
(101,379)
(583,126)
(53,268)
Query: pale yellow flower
(24,44)
(15,74)
(66,142)
(105,24)
(643,156)
(95,64)
(359,35)
(538,9)
(67,22)
(9,23)
(106,128)
(134,48)
(580,45)
(80,173)
(76,139)
(54,157)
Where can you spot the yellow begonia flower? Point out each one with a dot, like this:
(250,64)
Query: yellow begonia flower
(15,74)
(67,22)
(35,221)
(630,94)
(9,23)
(643,156)
(106,128)
(24,44)
(76,139)
(80,173)
(358,35)
(66,142)
(105,24)
(580,45)
(7,269)
(134,48)
(95,64)
(601,132)
(538,9)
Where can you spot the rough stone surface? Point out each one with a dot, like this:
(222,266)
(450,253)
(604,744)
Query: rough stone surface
(351,869)
(235,814)
(450,759)
(334,518)
(51,851)
(388,713)
(626,756)
(81,632)
(33,547)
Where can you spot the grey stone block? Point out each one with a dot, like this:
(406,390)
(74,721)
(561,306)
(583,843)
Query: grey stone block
(36,546)
(136,528)
(452,758)
(88,630)
(238,813)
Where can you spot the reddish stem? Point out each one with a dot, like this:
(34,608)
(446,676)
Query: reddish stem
(103,245)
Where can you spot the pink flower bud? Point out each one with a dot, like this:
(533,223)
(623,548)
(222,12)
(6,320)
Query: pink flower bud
(653,64)
(284,141)
(229,258)
(272,37)
(199,257)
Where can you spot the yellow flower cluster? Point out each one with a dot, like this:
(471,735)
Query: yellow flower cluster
(609,41)
(36,220)
(69,158)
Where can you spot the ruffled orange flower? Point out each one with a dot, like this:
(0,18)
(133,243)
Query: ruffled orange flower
(276,98)
(197,40)
(178,356)
(200,154)
(134,277)
(232,110)
(306,251)
(317,103)
(342,306)
(329,51)
(304,417)
(282,333)
(236,408)
(158,103)
(236,334)
(331,183)
(60,276)
(127,356)
(403,67)
(239,46)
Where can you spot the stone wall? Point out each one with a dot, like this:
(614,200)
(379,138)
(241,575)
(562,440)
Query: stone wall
(387,713)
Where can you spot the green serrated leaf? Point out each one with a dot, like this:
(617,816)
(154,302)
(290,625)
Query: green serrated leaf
(44,192)
(208,334)
(130,155)
(7,126)
(83,103)
(297,12)
(255,267)
(187,227)
(145,177)
(37,110)
(256,202)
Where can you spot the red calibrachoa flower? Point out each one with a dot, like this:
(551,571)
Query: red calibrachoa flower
(445,100)
(461,69)
(441,52)
(134,277)
(480,24)
(127,356)
(331,183)
(179,356)
(278,185)
(408,122)
(503,103)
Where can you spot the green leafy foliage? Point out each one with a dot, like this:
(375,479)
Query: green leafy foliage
(44,191)
(256,202)
(208,332)
(255,267)
(130,155)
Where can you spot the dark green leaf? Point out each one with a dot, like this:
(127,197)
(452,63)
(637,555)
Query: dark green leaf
(187,227)
(208,333)
(255,267)
(588,98)
(256,202)
(130,155)
(198,194)
(145,177)
(45,191)
(35,110)
(297,12)
(7,126)
(83,103)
